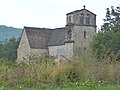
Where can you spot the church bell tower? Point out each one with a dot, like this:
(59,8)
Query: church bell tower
(80,27)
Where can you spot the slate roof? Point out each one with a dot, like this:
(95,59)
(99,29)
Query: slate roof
(41,38)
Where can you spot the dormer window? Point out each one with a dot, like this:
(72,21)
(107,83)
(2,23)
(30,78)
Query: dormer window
(88,19)
(81,19)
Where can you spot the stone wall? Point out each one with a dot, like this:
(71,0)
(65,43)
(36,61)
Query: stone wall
(82,24)
(38,52)
(85,13)
(70,19)
(74,18)
(79,38)
(23,50)
(65,50)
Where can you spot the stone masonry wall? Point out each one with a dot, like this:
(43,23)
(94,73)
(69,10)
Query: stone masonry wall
(38,52)
(74,18)
(65,50)
(23,48)
(78,35)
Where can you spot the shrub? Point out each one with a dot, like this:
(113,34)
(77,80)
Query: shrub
(65,72)
(44,73)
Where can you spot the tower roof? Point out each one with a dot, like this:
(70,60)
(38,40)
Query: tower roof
(80,11)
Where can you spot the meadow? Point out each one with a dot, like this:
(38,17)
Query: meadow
(82,72)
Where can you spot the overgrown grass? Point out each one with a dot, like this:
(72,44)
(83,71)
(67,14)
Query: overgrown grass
(83,72)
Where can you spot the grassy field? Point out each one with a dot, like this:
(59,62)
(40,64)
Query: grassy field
(107,87)
(84,72)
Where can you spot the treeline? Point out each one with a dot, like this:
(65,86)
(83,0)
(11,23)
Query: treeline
(7,32)
(8,49)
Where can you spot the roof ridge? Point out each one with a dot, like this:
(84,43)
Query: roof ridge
(37,28)
(60,28)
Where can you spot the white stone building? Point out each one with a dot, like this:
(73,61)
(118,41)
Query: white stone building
(79,30)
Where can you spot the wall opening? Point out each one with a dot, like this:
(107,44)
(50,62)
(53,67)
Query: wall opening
(88,19)
(84,34)
(69,19)
(69,34)
(84,48)
(81,19)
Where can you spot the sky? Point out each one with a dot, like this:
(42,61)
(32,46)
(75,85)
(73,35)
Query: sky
(48,13)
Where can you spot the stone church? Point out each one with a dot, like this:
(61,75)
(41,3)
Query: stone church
(79,30)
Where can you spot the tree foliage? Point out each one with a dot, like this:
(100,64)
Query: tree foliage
(112,19)
(8,49)
(106,43)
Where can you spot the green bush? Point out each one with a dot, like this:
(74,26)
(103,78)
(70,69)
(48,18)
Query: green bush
(65,72)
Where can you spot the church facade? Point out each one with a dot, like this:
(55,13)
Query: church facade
(78,32)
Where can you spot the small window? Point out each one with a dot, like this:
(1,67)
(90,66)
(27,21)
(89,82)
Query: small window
(88,19)
(69,35)
(84,48)
(84,34)
(82,19)
(69,19)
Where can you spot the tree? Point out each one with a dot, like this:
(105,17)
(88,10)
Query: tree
(106,43)
(112,19)
(8,49)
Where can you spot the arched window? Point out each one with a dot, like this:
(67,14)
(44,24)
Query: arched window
(81,19)
(84,34)
(88,19)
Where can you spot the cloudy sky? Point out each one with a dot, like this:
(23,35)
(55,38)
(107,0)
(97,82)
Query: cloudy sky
(48,13)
